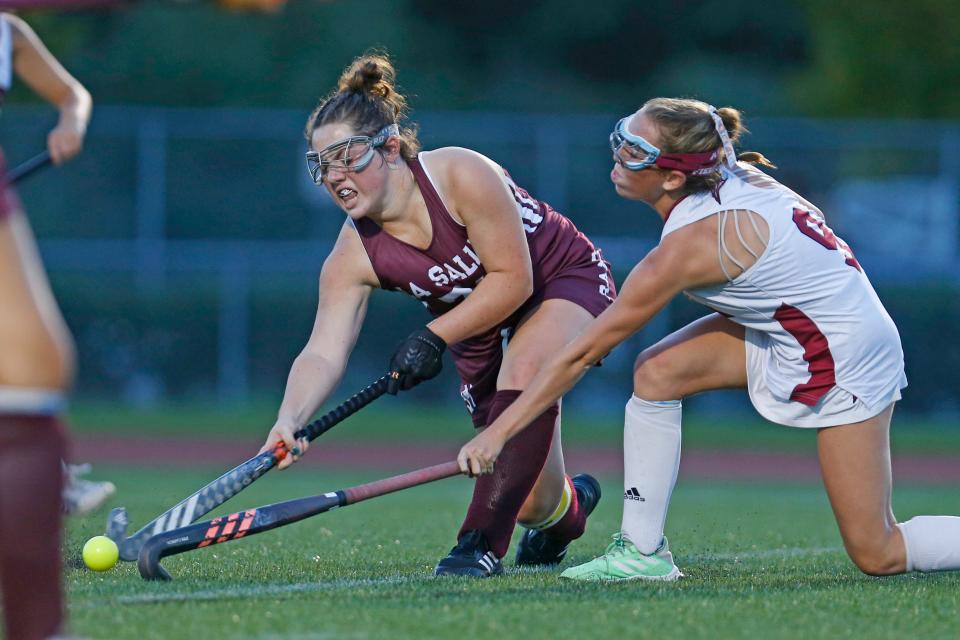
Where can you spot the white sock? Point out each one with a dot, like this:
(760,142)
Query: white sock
(933,543)
(651,458)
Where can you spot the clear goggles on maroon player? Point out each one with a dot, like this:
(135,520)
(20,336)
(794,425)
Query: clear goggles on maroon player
(348,155)
(635,153)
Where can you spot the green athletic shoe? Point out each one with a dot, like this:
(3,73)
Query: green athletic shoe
(622,561)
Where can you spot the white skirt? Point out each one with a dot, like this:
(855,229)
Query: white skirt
(835,408)
(29,401)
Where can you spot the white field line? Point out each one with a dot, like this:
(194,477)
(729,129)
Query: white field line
(254,591)
(236,592)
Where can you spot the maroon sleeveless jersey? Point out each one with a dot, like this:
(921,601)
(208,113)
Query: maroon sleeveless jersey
(566,265)
(448,270)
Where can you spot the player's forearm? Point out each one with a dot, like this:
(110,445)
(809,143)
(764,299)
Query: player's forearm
(496,297)
(311,381)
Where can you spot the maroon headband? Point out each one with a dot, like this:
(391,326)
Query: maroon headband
(697,163)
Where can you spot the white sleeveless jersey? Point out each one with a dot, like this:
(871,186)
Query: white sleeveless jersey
(6,57)
(806,292)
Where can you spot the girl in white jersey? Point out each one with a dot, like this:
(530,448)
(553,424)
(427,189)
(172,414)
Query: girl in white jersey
(797,323)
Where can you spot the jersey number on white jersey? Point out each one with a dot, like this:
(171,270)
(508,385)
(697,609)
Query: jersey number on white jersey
(812,225)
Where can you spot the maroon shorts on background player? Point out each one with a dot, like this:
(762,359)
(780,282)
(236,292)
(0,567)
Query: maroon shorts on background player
(31,480)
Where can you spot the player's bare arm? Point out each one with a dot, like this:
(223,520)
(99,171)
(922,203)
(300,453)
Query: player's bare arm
(37,67)
(475,192)
(346,280)
(686,258)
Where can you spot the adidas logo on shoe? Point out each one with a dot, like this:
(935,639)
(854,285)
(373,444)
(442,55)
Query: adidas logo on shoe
(633,494)
(471,557)
(489,561)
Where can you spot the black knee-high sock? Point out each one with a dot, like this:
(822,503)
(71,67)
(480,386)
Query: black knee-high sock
(31,481)
(497,498)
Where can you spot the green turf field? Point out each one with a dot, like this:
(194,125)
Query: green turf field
(762,561)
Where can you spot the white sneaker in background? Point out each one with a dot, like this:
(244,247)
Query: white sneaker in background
(80,496)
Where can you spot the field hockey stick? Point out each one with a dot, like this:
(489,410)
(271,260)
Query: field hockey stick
(253,521)
(32,165)
(232,482)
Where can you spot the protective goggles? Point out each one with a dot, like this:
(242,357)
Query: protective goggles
(352,154)
(633,152)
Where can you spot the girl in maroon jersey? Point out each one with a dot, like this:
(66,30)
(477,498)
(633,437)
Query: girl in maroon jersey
(507,279)
(36,363)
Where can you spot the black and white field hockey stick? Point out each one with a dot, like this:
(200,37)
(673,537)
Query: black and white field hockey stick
(28,167)
(232,482)
(253,521)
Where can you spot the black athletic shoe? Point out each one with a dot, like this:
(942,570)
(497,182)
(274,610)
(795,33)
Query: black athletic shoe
(471,557)
(537,547)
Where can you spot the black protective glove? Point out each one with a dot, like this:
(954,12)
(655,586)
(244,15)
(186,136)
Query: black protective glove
(419,357)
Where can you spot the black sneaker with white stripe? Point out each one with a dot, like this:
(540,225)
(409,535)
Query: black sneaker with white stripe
(471,557)
(537,547)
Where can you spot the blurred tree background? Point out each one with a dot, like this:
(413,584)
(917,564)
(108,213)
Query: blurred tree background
(803,57)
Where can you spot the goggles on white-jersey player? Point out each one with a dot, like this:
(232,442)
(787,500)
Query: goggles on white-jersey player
(351,154)
(644,154)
